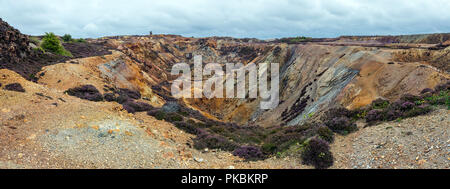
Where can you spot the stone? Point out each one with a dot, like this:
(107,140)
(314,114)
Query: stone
(200,160)
(31,137)
(171,107)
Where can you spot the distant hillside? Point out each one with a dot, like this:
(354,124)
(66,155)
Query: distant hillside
(419,38)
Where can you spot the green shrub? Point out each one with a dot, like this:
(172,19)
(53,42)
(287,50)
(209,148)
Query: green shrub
(380,104)
(67,38)
(161,115)
(295,39)
(173,117)
(186,127)
(325,133)
(282,141)
(51,43)
(408,105)
(420,110)
(81,40)
(269,148)
(440,98)
(158,114)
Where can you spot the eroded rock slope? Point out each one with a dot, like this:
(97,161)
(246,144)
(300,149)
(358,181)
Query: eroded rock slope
(313,76)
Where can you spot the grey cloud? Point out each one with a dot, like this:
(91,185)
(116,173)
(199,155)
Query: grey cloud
(237,18)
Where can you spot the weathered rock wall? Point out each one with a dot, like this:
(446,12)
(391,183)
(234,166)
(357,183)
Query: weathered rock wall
(313,77)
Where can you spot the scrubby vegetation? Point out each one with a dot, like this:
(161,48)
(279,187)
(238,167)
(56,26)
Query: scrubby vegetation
(14,87)
(311,140)
(408,105)
(133,106)
(67,38)
(249,152)
(293,40)
(317,153)
(158,114)
(87,92)
(51,43)
(128,98)
(325,133)
(251,142)
(281,138)
(341,120)
(342,125)
(206,139)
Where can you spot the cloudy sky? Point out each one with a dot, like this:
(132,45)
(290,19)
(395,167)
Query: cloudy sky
(238,18)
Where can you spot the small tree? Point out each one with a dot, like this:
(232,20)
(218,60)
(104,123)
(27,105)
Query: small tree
(67,38)
(51,43)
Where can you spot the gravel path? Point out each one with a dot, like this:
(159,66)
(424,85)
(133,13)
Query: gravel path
(421,143)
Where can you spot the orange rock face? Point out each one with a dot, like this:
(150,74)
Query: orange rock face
(115,70)
(313,77)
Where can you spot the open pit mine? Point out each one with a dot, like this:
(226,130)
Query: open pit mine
(346,102)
